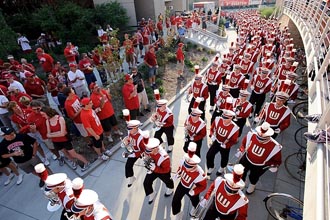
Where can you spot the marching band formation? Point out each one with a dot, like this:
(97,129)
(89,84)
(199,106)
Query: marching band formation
(261,61)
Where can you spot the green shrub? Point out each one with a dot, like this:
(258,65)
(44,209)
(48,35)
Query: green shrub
(171,57)
(8,42)
(200,49)
(150,93)
(266,12)
(161,90)
(159,81)
(188,63)
(204,59)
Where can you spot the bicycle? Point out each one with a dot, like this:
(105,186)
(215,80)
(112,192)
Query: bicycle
(283,206)
(295,165)
(299,137)
(300,110)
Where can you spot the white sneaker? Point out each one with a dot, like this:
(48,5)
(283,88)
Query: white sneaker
(220,171)
(250,189)
(151,197)
(46,161)
(108,153)
(110,138)
(118,132)
(170,149)
(19,179)
(209,171)
(131,180)
(10,177)
(54,157)
(178,216)
(168,192)
(104,157)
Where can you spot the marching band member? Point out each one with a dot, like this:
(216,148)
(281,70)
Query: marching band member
(243,109)
(260,86)
(163,119)
(192,181)
(195,130)
(199,90)
(229,201)
(134,140)
(159,167)
(292,86)
(59,185)
(276,114)
(236,81)
(261,152)
(224,133)
(213,80)
(220,101)
(282,69)
(88,207)
(247,65)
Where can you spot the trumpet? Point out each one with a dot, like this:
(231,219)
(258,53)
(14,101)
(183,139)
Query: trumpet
(54,202)
(127,143)
(200,210)
(157,124)
(147,160)
(72,217)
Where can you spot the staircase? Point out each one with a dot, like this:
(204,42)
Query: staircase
(207,39)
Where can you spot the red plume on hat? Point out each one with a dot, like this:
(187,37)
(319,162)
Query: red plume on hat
(77,186)
(229,103)
(192,149)
(146,136)
(237,174)
(285,85)
(156,94)
(126,115)
(41,171)
(292,54)
(196,69)
(232,44)
(217,57)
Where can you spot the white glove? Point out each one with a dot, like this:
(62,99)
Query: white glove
(273,169)
(238,154)
(152,166)
(175,177)
(237,112)
(191,138)
(252,88)
(223,145)
(202,99)
(203,203)
(256,119)
(277,130)
(213,138)
(97,110)
(262,90)
(158,123)
(191,192)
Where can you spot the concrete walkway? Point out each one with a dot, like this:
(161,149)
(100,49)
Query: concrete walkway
(26,201)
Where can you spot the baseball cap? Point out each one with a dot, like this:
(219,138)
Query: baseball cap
(128,77)
(6,130)
(85,101)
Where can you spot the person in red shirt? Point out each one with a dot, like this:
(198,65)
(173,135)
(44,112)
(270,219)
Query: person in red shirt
(73,108)
(101,99)
(70,53)
(180,60)
(94,128)
(85,65)
(38,129)
(160,27)
(150,60)
(46,61)
(35,87)
(13,63)
(57,132)
(15,95)
(27,66)
(130,96)
(52,88)
(129,51)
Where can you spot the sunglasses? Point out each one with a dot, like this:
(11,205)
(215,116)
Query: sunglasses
(36,109)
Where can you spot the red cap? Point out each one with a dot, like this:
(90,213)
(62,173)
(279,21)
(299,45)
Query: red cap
(92,85)
(181,44)
(28,74)
(7,76)
(39,50)
(85,101)
(72,65)
(127,77)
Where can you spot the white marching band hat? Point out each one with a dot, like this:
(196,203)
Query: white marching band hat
(133,124)
(265,130)
(55,180)
(234,180)
(152,143)
(87,197)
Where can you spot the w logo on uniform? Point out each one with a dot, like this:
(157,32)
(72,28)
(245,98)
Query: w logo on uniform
(259,84)
(274,115)
(223,201)
(233,80)
(258,151)
(185,177)
(222,132)
(196,90)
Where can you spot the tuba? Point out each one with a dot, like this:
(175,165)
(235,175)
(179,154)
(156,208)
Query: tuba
(128,145)
(54,203)
(200,211)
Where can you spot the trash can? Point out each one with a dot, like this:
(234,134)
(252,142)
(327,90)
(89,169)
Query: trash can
(227,24)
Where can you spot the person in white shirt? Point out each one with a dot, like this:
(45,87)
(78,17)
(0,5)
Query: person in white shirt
(12,82)
(4,113)
(77,79)
(24,43)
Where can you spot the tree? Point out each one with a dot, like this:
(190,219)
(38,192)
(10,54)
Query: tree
(111,13)
(8,43)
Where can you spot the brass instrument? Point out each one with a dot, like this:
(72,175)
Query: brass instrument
(147,160)
(157,124)
(128,145)
(54,203)
(200,211)
(73,217)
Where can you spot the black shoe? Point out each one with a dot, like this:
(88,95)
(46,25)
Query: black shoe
(141,114)
(147,110)
(41,183)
